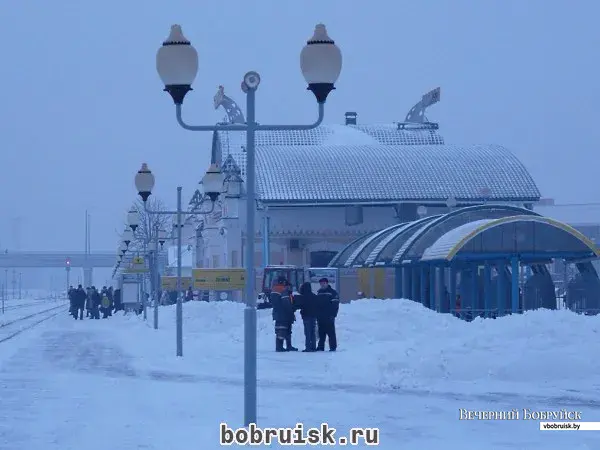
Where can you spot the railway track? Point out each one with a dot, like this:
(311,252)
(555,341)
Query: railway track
(25,305)
(11,329)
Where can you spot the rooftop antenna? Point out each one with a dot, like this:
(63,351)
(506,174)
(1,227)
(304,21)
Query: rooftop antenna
(416,119)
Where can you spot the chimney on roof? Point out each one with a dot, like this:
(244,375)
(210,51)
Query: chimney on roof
(351,118)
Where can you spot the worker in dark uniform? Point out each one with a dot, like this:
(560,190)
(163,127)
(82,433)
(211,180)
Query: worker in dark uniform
(79,296)
(307,303)
(328,304)
(95,302)
(283,314)
(72,307)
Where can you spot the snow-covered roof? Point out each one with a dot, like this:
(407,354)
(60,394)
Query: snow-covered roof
(454,240)
(384,134)
(444,245)
(390,173)
(234,142)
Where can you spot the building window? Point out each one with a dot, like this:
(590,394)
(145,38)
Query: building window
(321,258)
(234,259)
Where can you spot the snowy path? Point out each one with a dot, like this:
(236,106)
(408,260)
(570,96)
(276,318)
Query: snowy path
(74,385)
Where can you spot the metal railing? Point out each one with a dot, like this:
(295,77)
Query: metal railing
(581,302)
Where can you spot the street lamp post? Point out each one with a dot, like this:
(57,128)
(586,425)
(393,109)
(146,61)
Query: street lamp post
(212,183)
(159,236)
(68,270)
(177,66)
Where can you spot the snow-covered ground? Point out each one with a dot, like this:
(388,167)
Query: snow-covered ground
(16,309)
(117,383)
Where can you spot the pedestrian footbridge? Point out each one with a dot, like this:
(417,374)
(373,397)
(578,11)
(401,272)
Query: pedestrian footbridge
(57,259)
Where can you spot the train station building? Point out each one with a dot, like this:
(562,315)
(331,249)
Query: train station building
(438,220)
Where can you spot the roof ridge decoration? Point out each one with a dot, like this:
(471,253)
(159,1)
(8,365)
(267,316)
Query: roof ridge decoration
(196,199)
(234,113)
(416,115)
(230,166)
(231,170)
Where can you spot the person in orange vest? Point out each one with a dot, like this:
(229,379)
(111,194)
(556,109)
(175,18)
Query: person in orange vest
(282,300)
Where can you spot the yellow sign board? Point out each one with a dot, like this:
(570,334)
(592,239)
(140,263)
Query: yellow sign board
(379,282)
(137,265)
(364,281)
(170,283)
(219,279)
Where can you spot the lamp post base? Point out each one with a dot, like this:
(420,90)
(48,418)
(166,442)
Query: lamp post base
(250,405)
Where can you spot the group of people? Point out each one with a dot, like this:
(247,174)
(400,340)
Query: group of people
(94,302)
(318,312)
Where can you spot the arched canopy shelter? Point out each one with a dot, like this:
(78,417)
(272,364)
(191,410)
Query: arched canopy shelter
(364,248)
(410,241)
(414,247)
(530,238)
(339,259)
(388,247)
(501,246)
(394,235)
(474,255)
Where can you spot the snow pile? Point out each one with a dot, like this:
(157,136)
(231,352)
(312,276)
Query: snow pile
(387,343)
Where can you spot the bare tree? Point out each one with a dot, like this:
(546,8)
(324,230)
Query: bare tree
(149,224)
(146,233)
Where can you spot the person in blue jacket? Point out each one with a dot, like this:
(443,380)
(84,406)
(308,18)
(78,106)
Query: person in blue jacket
(307,303)
(328,304)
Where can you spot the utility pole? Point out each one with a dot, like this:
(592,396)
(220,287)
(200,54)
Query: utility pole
(68,269)
(87,270)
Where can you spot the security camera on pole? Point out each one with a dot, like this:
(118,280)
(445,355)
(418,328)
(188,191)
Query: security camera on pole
(321,65)
(212,183)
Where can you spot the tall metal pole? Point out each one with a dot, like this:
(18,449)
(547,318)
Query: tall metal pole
(85,280)
(89,248)
(85,258)
(250,310)
(156,280)
(179,311)
(250,328)
(266,243)
(20,284)
(144,296)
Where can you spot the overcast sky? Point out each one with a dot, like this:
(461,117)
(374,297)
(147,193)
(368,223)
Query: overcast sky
(82,105)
